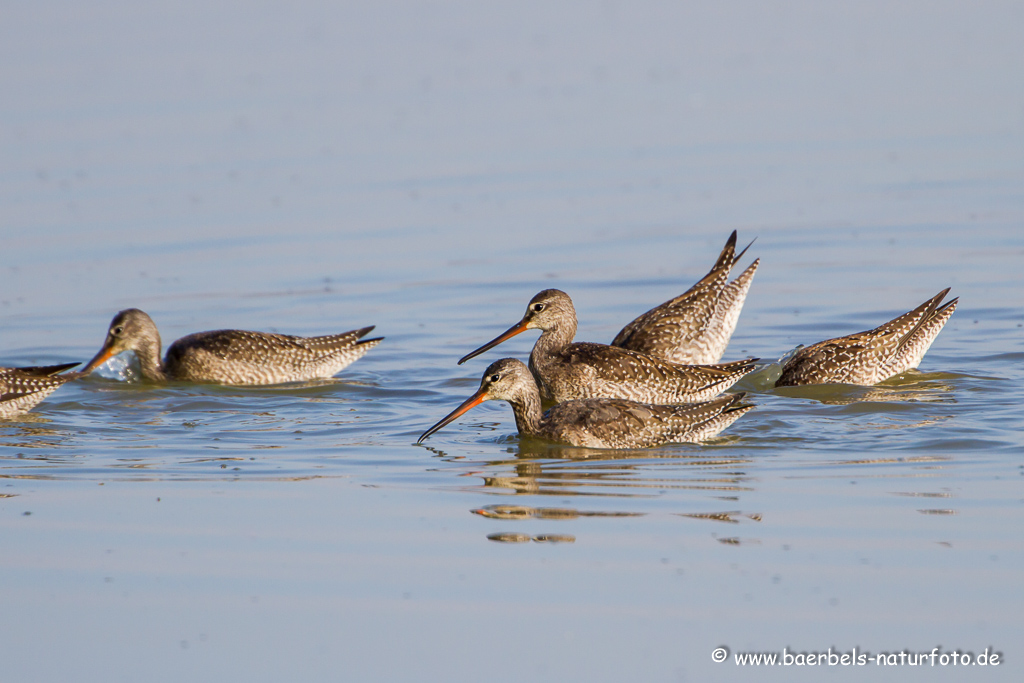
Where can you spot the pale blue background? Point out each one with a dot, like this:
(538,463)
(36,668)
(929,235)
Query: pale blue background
(427,167)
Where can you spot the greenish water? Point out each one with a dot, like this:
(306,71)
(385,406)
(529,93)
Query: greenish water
(427,169)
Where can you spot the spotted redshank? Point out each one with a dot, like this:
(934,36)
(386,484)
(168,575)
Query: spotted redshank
(231,356)
(567,371)
(21,389)
(597,422)
(695,327)
(875,355)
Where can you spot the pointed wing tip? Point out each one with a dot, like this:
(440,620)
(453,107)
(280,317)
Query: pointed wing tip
(740,255)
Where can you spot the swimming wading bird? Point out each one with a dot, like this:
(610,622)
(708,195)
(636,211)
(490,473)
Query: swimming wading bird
(869,357)
(695,327)
(597,422)
(566,371)
(231,356)
(21,389)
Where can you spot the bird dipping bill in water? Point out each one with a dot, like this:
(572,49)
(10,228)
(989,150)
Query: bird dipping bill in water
(21,389)
(566,371)
(873,356)
(231,356)
(597,422)
(694,327)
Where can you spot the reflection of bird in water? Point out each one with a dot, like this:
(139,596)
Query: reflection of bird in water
(520,512)
(567,371)
(516,484)
(231,356)
(910,387)
(21,389)
(597,422)
(695,327)
(872,356)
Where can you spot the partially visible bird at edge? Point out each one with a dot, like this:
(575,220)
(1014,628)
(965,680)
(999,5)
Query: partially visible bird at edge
(21,389)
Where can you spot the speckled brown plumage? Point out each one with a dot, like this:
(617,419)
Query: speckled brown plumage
(695,327)
(597,422)
(873,356)
(568,371)
(231,356)
(21,389)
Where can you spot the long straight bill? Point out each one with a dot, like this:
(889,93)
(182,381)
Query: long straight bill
(507,334)
(105,354)
(473,401)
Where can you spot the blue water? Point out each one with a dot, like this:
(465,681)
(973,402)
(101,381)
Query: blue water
(427,168)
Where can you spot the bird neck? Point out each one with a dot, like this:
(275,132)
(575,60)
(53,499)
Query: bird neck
(553,340)
(148,353)
(526,407)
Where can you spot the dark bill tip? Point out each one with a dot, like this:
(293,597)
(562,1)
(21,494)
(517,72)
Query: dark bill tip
(507,334)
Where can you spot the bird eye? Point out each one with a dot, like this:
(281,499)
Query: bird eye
(538,307)
(495,378)
(118,330)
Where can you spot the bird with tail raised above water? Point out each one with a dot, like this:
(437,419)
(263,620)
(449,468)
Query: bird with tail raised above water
(566,370)
(696,326)
(597,422)
(21,389)
(873,356)
(231,356)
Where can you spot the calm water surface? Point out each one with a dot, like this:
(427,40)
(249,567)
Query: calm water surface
(428,169)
